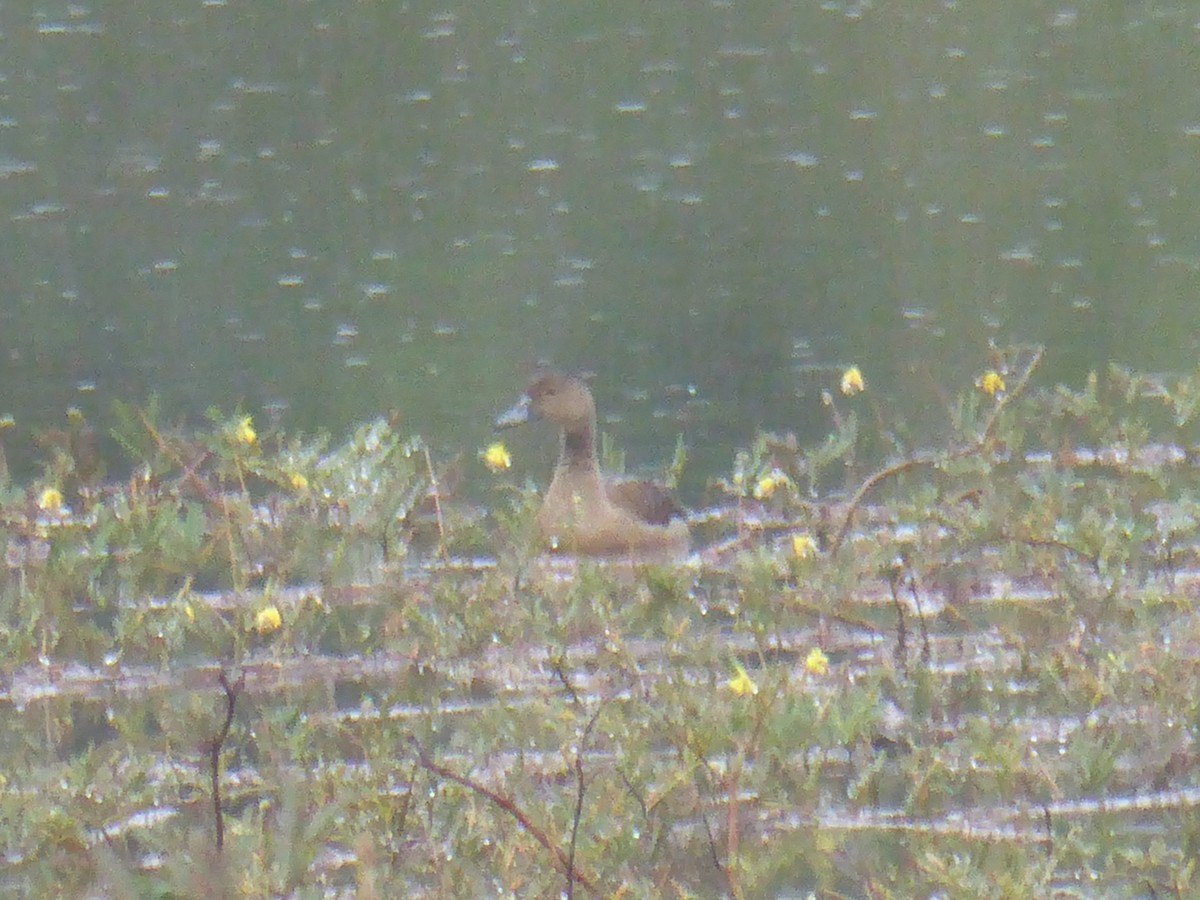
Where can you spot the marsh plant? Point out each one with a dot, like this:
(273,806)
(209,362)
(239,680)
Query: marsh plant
(262,665)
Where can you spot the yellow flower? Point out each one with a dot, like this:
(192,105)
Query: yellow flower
(267,620)
(245,432)
(496,457)
(769,483)
(741,683)
(991,383)
(816,663)
(7,421)
(50,500)
(299,482)
(852,381)
(803,546)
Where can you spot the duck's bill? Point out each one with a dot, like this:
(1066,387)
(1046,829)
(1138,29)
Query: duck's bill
(517,415)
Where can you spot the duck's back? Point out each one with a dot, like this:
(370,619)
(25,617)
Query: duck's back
(646,500)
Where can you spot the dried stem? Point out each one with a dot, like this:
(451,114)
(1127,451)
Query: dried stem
(214,749)
(581,788)
(509,806)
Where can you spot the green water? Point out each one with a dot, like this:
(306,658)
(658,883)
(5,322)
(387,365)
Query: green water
(337,210)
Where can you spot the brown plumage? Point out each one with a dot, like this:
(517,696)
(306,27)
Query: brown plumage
(582,512)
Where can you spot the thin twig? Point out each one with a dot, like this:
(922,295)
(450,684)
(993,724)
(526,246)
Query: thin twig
(436,494)
(581,788)
(901,625)
(747,753)
(402,821)
(926,650)
(733,831)
(214,748)
(189,469)
(556,667)
(1092,559)
(936,459)
(509,806)
(239,582)
(701,773)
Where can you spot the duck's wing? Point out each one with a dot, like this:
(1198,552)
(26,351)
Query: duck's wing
(648,501)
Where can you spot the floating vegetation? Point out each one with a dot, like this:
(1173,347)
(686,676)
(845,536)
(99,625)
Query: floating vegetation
(270,666)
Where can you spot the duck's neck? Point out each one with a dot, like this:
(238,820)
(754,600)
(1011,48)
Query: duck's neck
(578,451)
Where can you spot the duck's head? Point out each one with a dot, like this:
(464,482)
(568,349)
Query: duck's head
(562,399)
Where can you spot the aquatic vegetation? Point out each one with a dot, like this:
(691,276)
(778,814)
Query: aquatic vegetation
(270,665)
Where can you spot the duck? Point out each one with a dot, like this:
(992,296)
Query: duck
(582,512)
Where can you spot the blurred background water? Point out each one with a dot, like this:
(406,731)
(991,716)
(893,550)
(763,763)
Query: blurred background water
(324,211)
